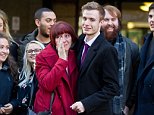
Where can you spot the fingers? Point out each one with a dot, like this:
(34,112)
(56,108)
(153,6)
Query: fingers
(74,107)
(2,110)
(61,50)
(59,44)
(78,107)
(8,108)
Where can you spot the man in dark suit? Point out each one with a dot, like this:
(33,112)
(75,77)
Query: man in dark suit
(98,79)
(145,80)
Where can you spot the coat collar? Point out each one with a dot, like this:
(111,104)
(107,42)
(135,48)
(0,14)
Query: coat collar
(143,65)
(91,53)
(144,51)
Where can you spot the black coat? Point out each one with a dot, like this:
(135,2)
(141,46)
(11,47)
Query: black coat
(98,79)
(8,89)
(27,93)
(145,82)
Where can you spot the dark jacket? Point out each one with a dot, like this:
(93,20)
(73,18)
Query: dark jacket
(145,82)
(132,62)
(26,95)
(7,87)
(26,39)
(98,79)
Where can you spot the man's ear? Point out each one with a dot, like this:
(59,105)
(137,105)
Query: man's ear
(37,22)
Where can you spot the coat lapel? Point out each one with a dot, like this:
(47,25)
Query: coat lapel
(90,55)
(143,65)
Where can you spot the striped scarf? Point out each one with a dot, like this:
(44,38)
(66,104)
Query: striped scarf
(120,45)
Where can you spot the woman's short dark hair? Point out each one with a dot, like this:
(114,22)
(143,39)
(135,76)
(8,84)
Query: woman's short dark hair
(62,27)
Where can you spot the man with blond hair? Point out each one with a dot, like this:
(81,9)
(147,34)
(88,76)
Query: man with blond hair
(98,79)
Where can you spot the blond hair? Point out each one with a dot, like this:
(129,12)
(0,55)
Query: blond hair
(94,6)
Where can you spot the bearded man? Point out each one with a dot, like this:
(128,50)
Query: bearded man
(128,54)
(44,19)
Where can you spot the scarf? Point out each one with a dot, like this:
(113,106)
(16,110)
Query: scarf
(120,45)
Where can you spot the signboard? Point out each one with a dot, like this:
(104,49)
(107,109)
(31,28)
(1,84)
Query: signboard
(15,23)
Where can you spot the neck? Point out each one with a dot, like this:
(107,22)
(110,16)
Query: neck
(43,39)
(89,37)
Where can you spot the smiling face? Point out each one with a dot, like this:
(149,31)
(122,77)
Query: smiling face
(4,50)
(110,25)
(91,22)
(32,50)
(151,20)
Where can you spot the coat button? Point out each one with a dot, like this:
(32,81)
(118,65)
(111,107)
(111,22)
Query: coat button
(150,85)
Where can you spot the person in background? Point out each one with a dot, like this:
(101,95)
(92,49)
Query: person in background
(145,80)
(128,55)
(98,75)
(8,77)
(4,27)
(44,19)
(57,72)
(28,83)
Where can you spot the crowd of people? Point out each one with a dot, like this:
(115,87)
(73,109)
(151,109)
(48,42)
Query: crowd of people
(53,71)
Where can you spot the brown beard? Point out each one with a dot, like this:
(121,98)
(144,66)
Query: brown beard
(110,36)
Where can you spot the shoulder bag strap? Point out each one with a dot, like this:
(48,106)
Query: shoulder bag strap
(51,102)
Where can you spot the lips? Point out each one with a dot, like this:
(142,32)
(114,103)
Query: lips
(3,57)
(110,29)
(86,28)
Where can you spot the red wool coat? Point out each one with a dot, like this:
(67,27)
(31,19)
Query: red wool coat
(52,76)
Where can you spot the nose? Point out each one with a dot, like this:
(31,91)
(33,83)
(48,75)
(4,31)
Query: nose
(110,22)
(34,52)
(52,22)
(64,39)
(86,22)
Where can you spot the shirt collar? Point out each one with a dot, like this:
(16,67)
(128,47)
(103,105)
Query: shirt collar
(92,40)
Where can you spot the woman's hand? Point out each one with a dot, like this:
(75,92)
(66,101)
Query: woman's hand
(61,50)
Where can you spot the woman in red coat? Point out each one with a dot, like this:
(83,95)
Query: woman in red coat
(57,72)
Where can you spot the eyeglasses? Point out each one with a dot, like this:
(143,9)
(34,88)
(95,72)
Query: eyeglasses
(30,51)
